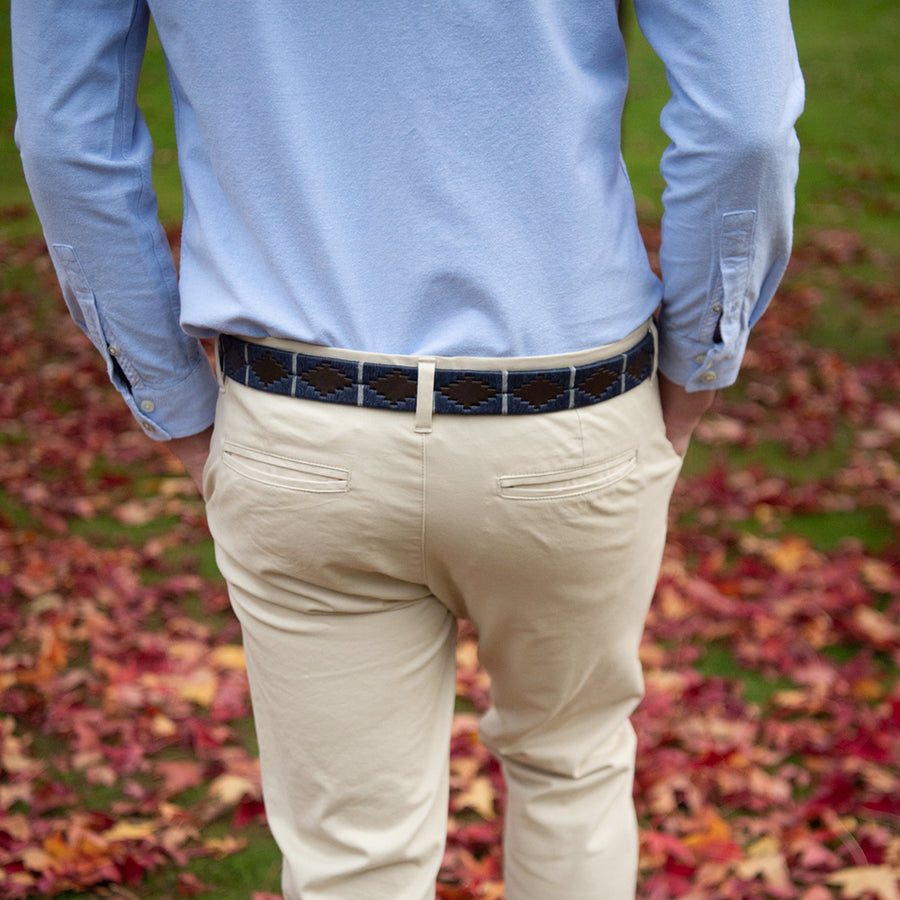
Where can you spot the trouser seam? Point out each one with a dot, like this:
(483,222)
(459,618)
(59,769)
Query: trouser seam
(423,464)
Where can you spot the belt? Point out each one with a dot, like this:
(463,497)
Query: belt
(460,391)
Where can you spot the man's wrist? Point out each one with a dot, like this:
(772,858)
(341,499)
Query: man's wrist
(682,411)
(193,452)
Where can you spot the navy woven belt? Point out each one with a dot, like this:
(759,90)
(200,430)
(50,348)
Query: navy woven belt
(495,392)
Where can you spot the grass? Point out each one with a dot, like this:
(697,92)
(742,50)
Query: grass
(718,661)
(256,868)
(827,531)
(851,174)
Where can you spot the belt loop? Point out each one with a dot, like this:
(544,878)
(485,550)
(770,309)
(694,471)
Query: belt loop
(425,396)
(655,332)
(217,356)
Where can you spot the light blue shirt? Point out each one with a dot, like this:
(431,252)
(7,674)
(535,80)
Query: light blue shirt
(439,178)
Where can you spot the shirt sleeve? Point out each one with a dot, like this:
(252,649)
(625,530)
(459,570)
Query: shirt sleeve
(86,154)
(730,171)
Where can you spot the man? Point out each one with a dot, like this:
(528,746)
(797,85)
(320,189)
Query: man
(411,230)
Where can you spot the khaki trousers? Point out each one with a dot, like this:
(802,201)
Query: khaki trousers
(352,539)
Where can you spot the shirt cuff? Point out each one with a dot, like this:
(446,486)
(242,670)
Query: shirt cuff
(172,411)
(697,366)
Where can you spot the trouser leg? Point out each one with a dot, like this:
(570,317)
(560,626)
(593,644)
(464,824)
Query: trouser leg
(554,556)
(350,659)
(352,714)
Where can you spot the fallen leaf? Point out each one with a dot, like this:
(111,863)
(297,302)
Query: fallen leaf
(129,831)
(230,789)
(860,880)
(228,656)
(478,796)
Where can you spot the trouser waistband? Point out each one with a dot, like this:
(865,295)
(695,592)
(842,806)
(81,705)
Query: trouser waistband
(454,385)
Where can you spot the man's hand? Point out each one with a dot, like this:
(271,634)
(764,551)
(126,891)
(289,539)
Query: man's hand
(682,411)
(193,452)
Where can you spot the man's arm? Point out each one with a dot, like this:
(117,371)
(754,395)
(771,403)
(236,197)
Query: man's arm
(193,452)
(682,411)
(730,172)
(86,154)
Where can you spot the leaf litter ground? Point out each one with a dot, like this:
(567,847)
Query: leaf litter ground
(769,738)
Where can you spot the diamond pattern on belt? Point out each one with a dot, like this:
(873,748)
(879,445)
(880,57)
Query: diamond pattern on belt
(381,386)
(598,382)
(538,391)
(325,379)
(468,391)
(268,370)
(396,387)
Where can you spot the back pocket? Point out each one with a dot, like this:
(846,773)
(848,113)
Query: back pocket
(568,482)
(284,472)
